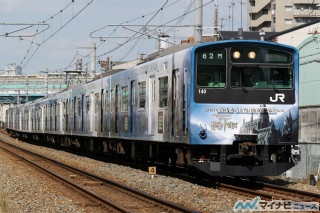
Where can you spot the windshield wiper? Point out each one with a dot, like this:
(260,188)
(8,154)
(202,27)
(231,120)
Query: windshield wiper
(244,89)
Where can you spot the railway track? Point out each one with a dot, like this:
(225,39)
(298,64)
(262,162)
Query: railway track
(103,194)
(249,188)
(267,191)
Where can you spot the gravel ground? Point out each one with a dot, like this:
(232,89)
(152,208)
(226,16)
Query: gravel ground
(21,191)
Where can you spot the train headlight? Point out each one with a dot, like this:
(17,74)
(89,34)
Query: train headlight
(252,55)
(203,134)
(236,54)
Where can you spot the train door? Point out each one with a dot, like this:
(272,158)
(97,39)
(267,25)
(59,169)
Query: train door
(174,104)
(102,101)
(55,116)
(66,114)
(75,113)
(152,99)
(22,120)
(49,117)
(108,107)
(177,104)
(107,111)
(96,111)
(29,119)
(132,104)
(82,112)
(116,110)
(44,118)
(38,118)
(19,120)
(58,116)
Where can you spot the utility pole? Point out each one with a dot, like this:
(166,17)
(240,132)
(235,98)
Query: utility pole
(229,5)
(232,6)
(241,3)
(215,33)
(18,97)
(93,58)
(198,21)
(27,92)
(221,25)
(45,80)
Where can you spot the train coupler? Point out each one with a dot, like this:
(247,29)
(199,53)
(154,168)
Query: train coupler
(247,149)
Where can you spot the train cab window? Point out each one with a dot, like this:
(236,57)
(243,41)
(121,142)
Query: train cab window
(142,95)
(262,78)
(211,77)
(163,92)
(124,107)
(211,68)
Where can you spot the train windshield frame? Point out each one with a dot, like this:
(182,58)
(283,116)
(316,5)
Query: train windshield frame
(249,67)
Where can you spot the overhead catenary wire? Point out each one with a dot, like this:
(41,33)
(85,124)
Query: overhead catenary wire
(139,33)
(58,17)
(55,32)
(155,29)
(133,37)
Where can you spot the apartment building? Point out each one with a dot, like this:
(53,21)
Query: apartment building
(279,15)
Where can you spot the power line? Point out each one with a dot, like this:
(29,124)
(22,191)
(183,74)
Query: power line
(133,37)
(55,32)
(24,26)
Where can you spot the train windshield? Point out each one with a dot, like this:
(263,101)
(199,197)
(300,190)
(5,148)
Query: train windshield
(261,68)
(260,77)
(250,67)
(211,68)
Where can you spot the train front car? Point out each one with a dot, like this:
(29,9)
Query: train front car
(244,108)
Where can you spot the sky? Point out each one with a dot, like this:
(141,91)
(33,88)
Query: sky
(51,35)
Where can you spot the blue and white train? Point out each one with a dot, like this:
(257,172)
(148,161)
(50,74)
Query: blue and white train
(226,108)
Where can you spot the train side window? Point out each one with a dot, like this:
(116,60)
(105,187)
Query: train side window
(97,99)
(163,92)
(112,101)
(142,95)
(64,109)
(67,107)
(87,104)
(124,99)
(106,102)
(52,110)
(71,106)
(58,109)
(79,107)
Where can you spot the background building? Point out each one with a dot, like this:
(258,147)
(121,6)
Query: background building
(279,15)
(16,88)
(305,39)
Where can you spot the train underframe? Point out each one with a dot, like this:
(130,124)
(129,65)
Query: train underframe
(239,159)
